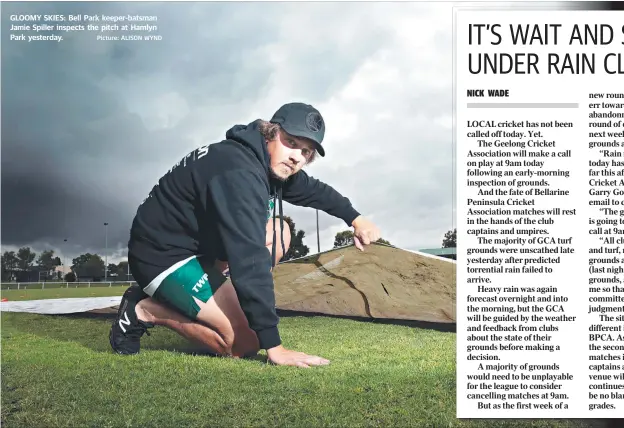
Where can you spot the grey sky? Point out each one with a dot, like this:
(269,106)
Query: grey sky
(89,126)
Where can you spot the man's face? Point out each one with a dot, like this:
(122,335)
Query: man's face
(288,154)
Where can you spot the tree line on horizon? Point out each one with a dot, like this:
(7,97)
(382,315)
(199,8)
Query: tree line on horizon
(25,265)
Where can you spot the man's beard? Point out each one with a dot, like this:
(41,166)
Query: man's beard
(274,176)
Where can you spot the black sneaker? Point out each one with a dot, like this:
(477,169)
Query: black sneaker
(126,331)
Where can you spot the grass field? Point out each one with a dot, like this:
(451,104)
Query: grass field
(61,293)
(58,371)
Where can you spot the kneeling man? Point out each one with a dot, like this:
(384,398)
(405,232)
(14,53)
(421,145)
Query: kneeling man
(204,242)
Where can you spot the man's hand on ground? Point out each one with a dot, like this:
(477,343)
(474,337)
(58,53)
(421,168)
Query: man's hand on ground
(364,232)
(284,357)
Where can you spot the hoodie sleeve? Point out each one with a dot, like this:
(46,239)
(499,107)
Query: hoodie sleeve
(306,191)
(240,198)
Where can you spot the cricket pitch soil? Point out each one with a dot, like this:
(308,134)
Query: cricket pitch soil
(380,282)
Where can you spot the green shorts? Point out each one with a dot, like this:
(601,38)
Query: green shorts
(176,287)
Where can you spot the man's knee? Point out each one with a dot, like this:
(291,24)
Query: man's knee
(237,341)
(223,314)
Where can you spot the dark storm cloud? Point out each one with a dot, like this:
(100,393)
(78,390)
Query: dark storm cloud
(88,127)
(70,146)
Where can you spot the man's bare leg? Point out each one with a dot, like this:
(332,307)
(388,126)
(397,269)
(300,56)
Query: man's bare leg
(149,310)
(215,332)
(221,324)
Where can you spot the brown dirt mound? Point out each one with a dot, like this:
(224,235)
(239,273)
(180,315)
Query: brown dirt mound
(380,282)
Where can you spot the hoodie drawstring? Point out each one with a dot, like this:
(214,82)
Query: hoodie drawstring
(273,262)
(278,196)
(281,213)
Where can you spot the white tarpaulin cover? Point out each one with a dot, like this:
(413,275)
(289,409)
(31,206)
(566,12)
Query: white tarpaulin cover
(60,306)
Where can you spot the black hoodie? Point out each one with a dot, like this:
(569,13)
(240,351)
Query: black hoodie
(215,202)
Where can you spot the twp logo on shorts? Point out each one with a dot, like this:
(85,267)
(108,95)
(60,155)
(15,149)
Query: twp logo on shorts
(199,284)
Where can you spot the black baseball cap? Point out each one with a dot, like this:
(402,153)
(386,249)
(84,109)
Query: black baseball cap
(302,120)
